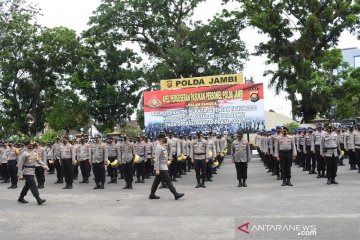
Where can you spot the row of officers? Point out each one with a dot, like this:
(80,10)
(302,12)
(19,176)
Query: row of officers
(318,151)
(204,153)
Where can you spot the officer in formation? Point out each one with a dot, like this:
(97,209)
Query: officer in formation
(99,160)
(39,170)
(127,161)
(317,151)
(198,152)
(67,159)
(114,158)
(140,150)
(241,155)
(83,153)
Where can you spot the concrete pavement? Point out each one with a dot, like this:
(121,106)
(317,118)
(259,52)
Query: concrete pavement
(265,209)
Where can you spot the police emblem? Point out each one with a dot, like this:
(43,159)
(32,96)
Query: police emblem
(154,102)
(169,84)
(254,96)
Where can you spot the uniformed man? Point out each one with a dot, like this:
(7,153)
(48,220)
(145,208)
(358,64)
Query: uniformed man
(320,161)
(67,158)
(56,153)
(198,150)
(50,160)
(307,150)
(76,162)
(127,161)
(149,156)
(39,170)
(241,155)
(341,138)
(113,155)
(4,165)
(285,151)
(26,168)
(174,151)
(329,150)
(84,156)
(12,155)
(161,170)
(276,161)
(211,155)
(350,147)
(99,159)
(357,145)
(140,150)
(301,148)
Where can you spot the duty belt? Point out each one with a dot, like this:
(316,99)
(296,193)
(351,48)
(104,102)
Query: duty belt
(198,154)
(331,148)
(29,166)
(285,150)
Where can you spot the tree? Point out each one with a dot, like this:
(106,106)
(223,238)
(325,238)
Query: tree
(140,118)
(170,40)
(301,35)
(35,64)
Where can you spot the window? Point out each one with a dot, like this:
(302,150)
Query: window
(356,61)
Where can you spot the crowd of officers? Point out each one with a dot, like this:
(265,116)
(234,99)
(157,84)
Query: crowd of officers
(318,151)
(120,158)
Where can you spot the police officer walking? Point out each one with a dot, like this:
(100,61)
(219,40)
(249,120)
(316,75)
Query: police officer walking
(27,163)
(161,170)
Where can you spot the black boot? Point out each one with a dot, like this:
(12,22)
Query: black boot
(153,196)
(284,182)
(333,181)
(203,184)
(319,175)
(40,201)
(66,186)
(289,182)
(178,195)
(22,200)
(323,174)
(278,177)
(328,181)
(126,186)
(198,184)
(86,180)
(41,186)
(102,185)
(70,186)
(13,186)
(240,183)
(130,185)
(97,186)
(138,181)
(244,183)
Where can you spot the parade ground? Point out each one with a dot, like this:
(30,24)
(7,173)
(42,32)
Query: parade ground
(264,210)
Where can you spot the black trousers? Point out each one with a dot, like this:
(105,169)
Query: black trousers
(12,169)
(128,169)
(352,157)
(209,169)
(302,156)
(319,159)
(40,175)
(67,170)
(5,172)
(85,168)
(140,170)
(99,172)
(241,170)
(76,170)
(331,163)
(113,171)
(286,163)
(200,166)
(59,170)
(51,166)
(165,178)
(30,184)
(173,167)
(189,164)
(277,166)
(308,158)
(357,156)
(148,167)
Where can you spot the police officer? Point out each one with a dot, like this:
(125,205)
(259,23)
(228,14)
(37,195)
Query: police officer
(39,170)
(12,155)
(307,150)
(56,153)
(161,170)
(27,163)
(285,151)
(316,140)
(4,165)
(113,155)
(241,155)
(198,150)
(127,162)
(84,156)
(357,146)
(329,150)
(67,157)
(149,156)
(99,159)
(50,160)
(140,150)
(173,150)
(349,145)
(211,155)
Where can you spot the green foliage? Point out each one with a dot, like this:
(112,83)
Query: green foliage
(131,131)
(291,126)
(140,118)
(302,34)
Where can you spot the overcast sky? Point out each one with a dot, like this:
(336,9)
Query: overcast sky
(74,14)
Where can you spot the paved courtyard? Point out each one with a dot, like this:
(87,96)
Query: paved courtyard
(264,209)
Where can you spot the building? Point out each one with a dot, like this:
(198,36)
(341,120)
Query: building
(352,56)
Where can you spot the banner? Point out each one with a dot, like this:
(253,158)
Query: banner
(202,81)
(218,109)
